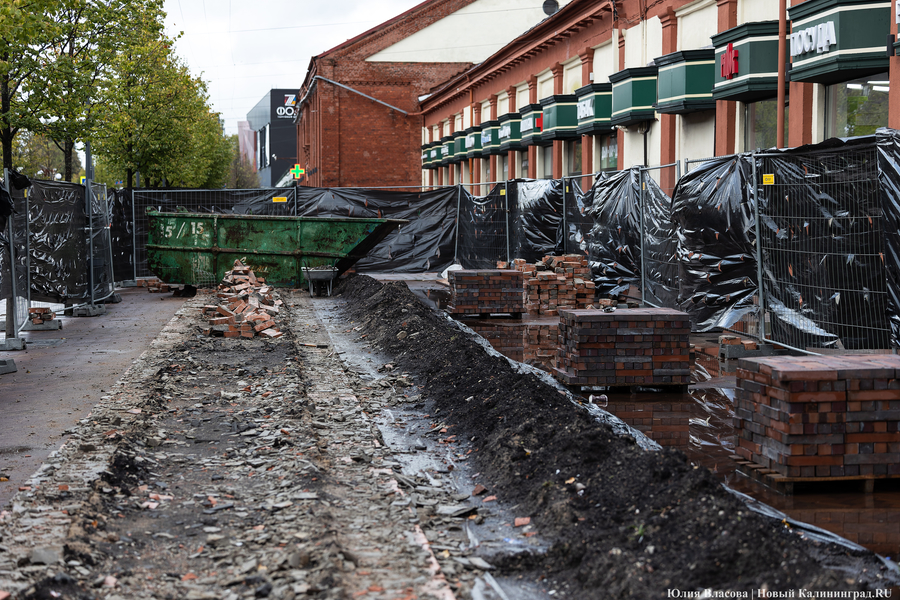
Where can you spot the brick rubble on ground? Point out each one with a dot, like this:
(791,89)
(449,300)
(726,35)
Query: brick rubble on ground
(40,315)
(248,307)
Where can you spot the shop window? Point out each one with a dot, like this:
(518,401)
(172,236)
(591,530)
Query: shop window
(857,107)
(486,174)
(547,162)
(503,166)
(573,157)
(524,172)
(609,152)
(760,124)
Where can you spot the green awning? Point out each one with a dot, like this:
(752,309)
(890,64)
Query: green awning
(509,134)
(594,109)
(837,40)
(746,68)
(490,142)
(560,117)
(473,142)
(633,95)
(532,124)
(685,81)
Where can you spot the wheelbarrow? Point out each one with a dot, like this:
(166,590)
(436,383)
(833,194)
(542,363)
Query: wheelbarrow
(319,277)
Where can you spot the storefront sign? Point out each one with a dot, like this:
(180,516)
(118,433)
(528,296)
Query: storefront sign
(505,131)
(729,66)
(820,38)
(586,108)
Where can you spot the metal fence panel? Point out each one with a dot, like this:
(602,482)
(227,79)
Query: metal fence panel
(821,246)
(660,268)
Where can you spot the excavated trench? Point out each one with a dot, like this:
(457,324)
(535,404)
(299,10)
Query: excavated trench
(402,461)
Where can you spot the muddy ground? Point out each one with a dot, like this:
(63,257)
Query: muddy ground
(378,451)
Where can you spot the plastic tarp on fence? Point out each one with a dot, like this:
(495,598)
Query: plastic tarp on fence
(614,242)
(122,234)
(716,231)
(888,142)
(823,260)
(425,244)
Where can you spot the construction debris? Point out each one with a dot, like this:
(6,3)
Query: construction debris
(248,307)
(41,315)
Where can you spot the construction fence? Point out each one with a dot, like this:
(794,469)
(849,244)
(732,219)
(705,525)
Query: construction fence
(817,226)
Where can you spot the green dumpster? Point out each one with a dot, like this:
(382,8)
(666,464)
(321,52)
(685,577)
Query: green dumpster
(198,249)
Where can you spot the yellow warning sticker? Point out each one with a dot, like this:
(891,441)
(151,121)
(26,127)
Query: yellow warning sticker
(768,179)
(503,192)
(279,199)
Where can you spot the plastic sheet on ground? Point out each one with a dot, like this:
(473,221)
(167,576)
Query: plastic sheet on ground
(888,143)
(715,228)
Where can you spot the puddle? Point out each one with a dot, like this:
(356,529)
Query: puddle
(700,424)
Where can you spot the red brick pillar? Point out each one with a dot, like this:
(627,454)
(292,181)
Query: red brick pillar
(511,155)
(493,158)
(587,141)
(620,135)
(726,110)
(668,123)
(476,162)
(558,145)
(533,149)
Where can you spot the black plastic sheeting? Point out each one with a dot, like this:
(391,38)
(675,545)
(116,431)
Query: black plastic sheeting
(822,221)
(122,234)
(484,224)
(576,227)
(716,229)
(614,242)
(16,216)
(427,243)
(888,146)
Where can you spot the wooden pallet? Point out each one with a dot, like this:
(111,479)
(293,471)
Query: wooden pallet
(784,485)
(462,316)
(662,388)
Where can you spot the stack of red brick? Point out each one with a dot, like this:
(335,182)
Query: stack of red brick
(823,416)
(39,316)
(542,345)
(504,335)
(248,310)
(154,285)
(486,291)
(639,346)
(555,283)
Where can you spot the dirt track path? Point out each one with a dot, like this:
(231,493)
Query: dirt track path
(231,468)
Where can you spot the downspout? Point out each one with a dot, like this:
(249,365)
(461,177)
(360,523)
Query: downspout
(782,75)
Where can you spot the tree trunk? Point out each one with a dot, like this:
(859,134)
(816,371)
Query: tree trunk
(68,151)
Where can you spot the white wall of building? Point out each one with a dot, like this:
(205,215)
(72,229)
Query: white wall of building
(697,23)
(695,135)
(572,76)
(643,43)
(471,34)
(521,96)
(756,10)
(545,85)
(606,59)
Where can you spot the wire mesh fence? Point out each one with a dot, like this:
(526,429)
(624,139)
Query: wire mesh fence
(660,267)
(821,249)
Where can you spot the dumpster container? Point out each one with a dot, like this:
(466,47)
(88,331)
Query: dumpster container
(197,249)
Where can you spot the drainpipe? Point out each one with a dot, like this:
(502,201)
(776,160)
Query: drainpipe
(782,68)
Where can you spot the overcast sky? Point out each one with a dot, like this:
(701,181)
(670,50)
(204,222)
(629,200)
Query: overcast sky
(243,49)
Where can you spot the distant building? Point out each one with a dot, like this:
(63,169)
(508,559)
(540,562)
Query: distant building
(247,142)
(275,137)
(358,121)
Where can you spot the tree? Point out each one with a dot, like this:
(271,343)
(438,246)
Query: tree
(39,157)
(25,33)
(76,63)
(157,120)
(241,174)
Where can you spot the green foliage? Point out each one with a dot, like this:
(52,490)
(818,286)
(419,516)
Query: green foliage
(103,71)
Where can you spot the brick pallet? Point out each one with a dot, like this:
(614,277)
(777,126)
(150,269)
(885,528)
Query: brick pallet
(631,347)
(484,292)
(555,283)
(801,419)
(506,337)
(667,423)
(541,345)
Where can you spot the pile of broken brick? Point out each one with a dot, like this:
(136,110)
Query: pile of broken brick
(248,308)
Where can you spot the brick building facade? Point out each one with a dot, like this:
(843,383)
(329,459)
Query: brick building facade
(358,120)
(606,85)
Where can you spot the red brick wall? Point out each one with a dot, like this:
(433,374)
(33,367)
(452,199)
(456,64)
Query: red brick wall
(344,139)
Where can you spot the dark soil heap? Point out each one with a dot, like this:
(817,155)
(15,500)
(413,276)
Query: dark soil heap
(633,523)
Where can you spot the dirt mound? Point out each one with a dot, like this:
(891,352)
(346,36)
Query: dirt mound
(635,523)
